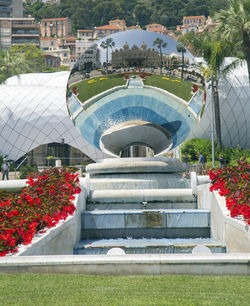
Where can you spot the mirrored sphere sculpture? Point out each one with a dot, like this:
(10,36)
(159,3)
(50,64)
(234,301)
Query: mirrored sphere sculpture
(134,89)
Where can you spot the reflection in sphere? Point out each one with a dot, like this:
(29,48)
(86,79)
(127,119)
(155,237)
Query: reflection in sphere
(133,88)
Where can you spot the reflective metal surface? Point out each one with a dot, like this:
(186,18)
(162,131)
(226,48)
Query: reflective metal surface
(134,87)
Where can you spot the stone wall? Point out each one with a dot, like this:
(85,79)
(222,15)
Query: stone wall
(234,232)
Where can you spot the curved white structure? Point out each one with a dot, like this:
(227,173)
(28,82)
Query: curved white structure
(33,112)
(234,95)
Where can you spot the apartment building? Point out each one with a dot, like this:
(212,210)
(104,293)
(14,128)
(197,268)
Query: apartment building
(209,26)
(56,27)
(106,30)
(56,47)
(136,27)
(119,23)
(85,34)
(11,8)
(18,31)
(157,28)
(193,23)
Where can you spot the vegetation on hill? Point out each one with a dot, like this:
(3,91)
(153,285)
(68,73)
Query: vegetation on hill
(90,13)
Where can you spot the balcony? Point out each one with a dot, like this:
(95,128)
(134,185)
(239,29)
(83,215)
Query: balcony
(25,41)
(25,33)
(5,2)
(24,24)
(5,9)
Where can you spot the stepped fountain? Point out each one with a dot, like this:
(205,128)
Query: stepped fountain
(138,203)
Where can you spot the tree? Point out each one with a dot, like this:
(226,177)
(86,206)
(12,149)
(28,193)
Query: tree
(108,43)
(213,50)
(12,64)
(194,42)
(214,53)
(159,43)
(234,25)
(33,56)
(142,14)
(181,49)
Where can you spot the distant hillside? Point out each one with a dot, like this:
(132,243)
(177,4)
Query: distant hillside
(90,13)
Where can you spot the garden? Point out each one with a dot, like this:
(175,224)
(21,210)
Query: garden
(233,184)
(87,89)
(46,200)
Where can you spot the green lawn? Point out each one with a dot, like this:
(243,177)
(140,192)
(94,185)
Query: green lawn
(42,289)
(181,89)
(87,90)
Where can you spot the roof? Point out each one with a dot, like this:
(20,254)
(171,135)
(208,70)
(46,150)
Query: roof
(108,27)
(192,17)
(153,24)
(42,119)
(52,56)
(134,27)
(157,30)
(55,19)
(115,20)
(48,38)
(71,38)
(85,30)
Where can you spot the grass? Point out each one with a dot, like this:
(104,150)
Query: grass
(88,90)
(42,289)
(181,89)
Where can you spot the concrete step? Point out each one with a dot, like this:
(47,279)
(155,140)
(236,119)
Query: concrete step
(162,223)
(141,195)
(138,181)
(137,165)
(147,246)
(155,205)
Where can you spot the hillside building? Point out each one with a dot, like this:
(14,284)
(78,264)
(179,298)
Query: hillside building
(135,57)
(193,23)
(11,8)
(56,27)
(18,31)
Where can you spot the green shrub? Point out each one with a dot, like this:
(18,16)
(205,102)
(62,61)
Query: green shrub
(191,147)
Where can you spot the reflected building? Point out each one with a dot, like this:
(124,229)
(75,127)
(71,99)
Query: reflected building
(135,56)
(89,60)
(132,110)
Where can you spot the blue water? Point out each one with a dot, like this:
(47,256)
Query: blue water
(196,102)
(73,104)
(135,82)
(135,104)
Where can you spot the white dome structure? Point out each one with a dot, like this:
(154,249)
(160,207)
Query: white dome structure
(234,95)
(34,112)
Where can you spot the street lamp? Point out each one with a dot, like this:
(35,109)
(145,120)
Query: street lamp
(211,85)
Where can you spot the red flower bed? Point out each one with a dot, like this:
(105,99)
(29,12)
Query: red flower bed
(42,204)
(233,184)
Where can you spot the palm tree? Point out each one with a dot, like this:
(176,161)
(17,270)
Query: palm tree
(159,43)
(214,54)
(12,64)
(108,43)
(181,49)
(234,25)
